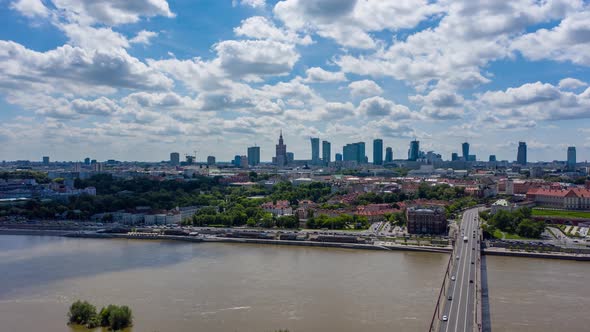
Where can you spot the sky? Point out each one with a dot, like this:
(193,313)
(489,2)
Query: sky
(138,79)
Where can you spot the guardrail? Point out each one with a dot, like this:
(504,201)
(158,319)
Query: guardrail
(435,321)
(477,319)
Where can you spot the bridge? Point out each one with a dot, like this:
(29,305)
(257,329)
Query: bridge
(459,305)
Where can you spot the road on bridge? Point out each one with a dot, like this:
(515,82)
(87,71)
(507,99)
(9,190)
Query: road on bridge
(461,293)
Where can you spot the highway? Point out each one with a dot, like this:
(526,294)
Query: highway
(460,310)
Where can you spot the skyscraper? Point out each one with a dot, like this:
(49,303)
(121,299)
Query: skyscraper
(354,152)
(454,156)
(254,155)
(281,152)
(378,151)
(175,159)
(571,158)
(237,160)
(492,158)
(465,149)
(326,152)
(389,155)
(521,156)
(86,161)
(339,157)
(45,160)
(211,160)
(414,151)
(315,150)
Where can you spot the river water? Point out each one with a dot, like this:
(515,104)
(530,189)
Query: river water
(538,295)
(174,286)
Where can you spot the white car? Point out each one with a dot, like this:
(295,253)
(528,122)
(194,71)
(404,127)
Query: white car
(453,278)
(445,318)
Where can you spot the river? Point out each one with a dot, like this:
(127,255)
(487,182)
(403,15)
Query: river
(538,295)
(176,286)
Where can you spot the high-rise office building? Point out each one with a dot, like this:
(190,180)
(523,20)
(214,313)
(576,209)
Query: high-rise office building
(378,151)
(86,161)
(465,149)
(571,158)
(521,155)
(254,155)
(211,160)
(492,158)
(281,152)
(354,152)
(362,155)
(175,159)
(243,161)
(414,151)
(98,167)
(326,152)
(454,156)
(315,150)
(290,157)
(388,155)
(45,160)
(339,157)
(237,160)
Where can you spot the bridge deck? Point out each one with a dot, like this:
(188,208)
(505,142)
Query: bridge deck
(460,298)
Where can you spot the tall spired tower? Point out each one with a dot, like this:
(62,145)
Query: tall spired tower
(281,155)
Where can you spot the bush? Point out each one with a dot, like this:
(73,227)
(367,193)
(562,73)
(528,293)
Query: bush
(120,318)
(112,316)
(116,317)
(81,312)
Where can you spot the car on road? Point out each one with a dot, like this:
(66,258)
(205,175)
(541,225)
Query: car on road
(458,257)
(453,278)
(470,281)
(445,318)
(472,262)
(450,298)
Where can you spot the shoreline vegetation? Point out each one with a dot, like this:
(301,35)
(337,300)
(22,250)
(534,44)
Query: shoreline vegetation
(113,317)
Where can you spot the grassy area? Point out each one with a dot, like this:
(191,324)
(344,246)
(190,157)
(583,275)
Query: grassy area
(561,213)
(498,234)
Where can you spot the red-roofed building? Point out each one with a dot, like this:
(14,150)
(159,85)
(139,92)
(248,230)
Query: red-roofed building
(571,199)
(375,212)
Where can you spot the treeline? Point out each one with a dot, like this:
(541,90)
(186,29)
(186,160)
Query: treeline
(40,177)
(112,316)
(238,215)
(515,222)
(343,221)
(233,207)
(440,192)
(316,191)
(115,194)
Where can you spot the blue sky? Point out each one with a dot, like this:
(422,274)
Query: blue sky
(138,79)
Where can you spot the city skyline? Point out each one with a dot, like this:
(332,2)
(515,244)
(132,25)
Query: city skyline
(337,70)
(356,151)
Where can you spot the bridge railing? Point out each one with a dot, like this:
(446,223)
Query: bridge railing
(435,321)
(477,319)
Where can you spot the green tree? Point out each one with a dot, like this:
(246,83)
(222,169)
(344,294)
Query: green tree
(120,318)
(81,312)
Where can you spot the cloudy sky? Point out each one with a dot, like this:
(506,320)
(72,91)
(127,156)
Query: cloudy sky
(138,79)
